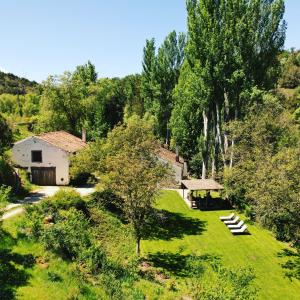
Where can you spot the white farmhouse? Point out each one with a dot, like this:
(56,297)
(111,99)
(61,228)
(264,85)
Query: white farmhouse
(46,156)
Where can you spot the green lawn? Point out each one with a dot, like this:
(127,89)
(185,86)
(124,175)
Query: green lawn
(198,232)
(183,232)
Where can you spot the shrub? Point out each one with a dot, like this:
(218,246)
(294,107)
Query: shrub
(5,192)
(64,199)
(108,200)
(7,176)
(69,235)
(213,281)
(54,277)
(32,224)
(94,258)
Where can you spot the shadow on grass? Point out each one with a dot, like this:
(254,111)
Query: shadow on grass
(292,265)
(13,267)
(181,265)
(167,225)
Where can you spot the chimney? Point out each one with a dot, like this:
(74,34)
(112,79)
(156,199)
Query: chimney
(83,138)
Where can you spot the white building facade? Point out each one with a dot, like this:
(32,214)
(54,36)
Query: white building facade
(46,157)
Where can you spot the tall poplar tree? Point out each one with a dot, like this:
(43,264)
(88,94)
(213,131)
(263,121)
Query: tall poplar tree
(160,75)
(232,47)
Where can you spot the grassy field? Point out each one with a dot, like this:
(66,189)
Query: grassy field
(201,233)
(32,273)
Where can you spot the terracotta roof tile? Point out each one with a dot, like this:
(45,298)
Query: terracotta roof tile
(170,156)
(62,140)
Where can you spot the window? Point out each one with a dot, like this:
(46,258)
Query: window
(36,156)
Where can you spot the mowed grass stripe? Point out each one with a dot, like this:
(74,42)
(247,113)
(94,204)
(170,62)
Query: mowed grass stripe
(258,250)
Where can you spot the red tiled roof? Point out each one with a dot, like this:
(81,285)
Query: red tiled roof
(170,156)
(62,140)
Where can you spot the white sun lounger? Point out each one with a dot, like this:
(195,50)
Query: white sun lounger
(232,221)
(241,230)
(237,226)
(223,218)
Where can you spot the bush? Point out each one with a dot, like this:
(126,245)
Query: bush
(79,178)
(5,192)
(69,235)
(7,176)
(65,199)
(93,258)
(108,200)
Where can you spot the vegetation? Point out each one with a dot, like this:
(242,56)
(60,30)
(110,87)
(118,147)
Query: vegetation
(264,176)
(6,135)
(12,84)
(129,168)
(159,77)
(233,47)
(203,260)
(201,236)
(227,96)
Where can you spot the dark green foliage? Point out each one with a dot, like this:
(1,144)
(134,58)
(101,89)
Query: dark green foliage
(105,107)
(5,134)
(12,84)
(62,225)
(290,74)
(159,77)
(108,200)
(7,175)
(233,46)
(54,277)
(68,236)
(265,175)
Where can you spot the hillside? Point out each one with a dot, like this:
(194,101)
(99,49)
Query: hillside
(12,84)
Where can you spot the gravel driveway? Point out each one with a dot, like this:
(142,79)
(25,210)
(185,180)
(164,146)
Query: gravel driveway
(14,209)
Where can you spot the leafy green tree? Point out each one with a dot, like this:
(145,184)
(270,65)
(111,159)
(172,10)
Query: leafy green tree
(159,77)
(104,107)
(5,134)
(63,101)
(265,174)
(133,171)
(131,86)
(233,46)
(290,74)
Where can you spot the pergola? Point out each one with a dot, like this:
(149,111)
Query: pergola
(201,185)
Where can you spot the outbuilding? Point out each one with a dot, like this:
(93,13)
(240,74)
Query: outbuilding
(46,157)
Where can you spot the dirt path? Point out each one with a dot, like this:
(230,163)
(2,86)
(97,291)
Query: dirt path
(17,208)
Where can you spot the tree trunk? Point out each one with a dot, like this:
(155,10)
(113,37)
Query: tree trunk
(226,119)
(231,154)
(219,137)
(138,246)
(205,151)
(232,142)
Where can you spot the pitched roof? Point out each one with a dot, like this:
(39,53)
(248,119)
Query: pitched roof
(62,140)
(201,184)
(170,156)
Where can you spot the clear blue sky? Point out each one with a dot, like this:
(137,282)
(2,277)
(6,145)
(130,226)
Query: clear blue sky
(43,37)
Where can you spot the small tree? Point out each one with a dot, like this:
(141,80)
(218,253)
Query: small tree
(134,172)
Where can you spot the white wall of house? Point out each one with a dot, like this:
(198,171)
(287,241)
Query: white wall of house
(178,171)
(51,157)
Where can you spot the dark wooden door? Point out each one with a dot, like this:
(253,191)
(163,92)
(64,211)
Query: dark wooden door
(43,176)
